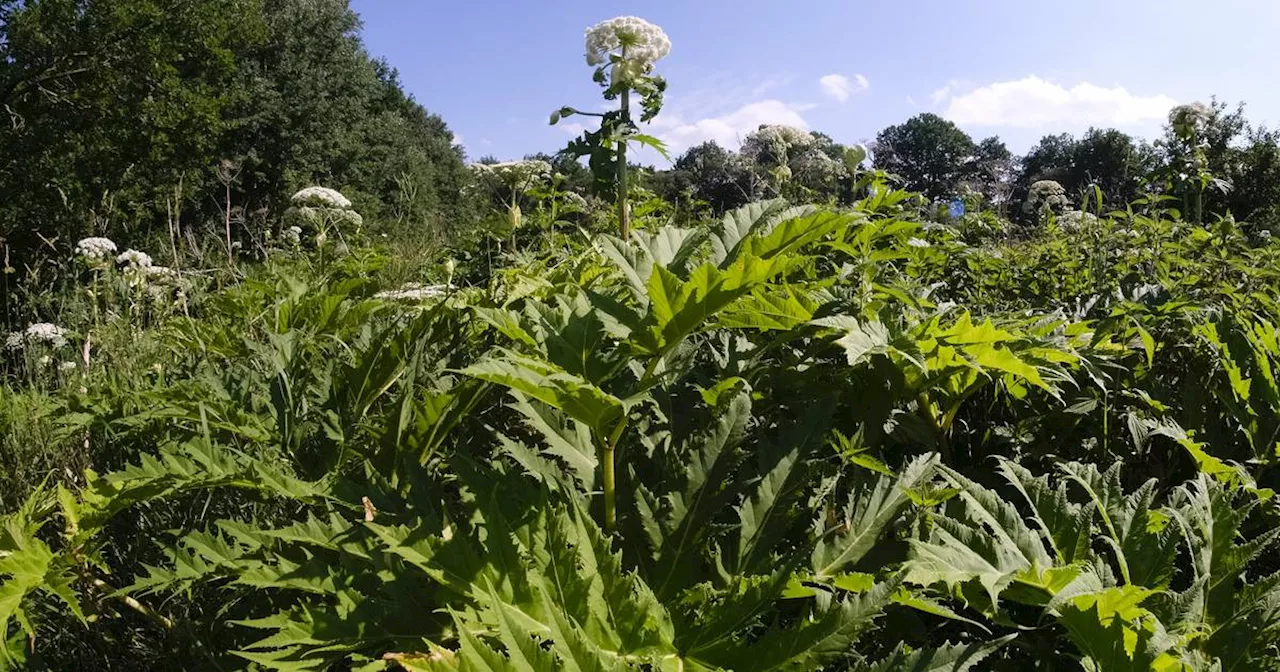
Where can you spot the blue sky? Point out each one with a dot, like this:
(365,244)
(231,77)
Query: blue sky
(496,69)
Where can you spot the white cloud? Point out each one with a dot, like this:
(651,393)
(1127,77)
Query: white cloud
(1033,102)
(841,87)
(726,130)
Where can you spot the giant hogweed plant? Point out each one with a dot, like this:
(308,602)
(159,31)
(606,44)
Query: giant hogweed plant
(623,52)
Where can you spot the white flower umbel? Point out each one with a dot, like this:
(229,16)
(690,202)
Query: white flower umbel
(134,259)
(1190,119)
(40,332)
(68,366)
(918,242)
(95,249)
(292,235)
(13,341)
(415,292)
(321,197)
(519,174)
(628,36)
(773,146)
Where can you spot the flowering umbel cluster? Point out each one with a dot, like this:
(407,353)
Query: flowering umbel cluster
(510,180)
(772,147)
(513,174)
(1044,197)
(320,208)
(321,197)
(292,235)
(1190,119)
(96,249)
(40,332)
(414,291)
(631,37)
(133,259)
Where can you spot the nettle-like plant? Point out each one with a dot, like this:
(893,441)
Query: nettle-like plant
(623,52)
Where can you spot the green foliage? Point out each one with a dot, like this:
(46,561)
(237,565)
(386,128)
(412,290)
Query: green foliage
(852,436)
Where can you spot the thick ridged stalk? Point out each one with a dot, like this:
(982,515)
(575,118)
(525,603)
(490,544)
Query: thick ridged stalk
(624,208)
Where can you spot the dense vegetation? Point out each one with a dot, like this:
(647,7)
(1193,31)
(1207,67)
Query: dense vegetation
(783,408)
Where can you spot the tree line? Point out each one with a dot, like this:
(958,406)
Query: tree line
(140,119)
(934,157)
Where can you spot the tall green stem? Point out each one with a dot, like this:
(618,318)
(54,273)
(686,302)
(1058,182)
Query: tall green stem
(607,451)
(608,480)
(624,208)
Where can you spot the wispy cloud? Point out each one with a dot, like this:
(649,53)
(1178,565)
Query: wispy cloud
(1032,102)
(728,129)
(841,87)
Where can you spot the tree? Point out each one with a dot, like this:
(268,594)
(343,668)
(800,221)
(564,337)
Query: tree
(715,176)
(1255,179)
(992,171)
(1106,158)
(121,116)
(1112,161)
(932,154)
(109,104)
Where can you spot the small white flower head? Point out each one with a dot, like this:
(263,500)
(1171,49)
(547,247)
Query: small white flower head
(68,366)
(633,38)
(321,197)
(43,332)
(292,235)
(1074,220)
(918,242)
(134,259)
(95,249)
(13,341)
(514,174)
(44,361)
(1265,234)
(415,292)
(1187,120)
(1045,196)
(774,145)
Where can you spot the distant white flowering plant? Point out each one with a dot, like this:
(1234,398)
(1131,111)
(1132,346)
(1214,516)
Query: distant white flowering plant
(1191,119)
(134,259)
(1075,220)
(323,210)
(623,51)
(788,154)
(509,181)
(416,292)
(96,249)
(39,333)
(1190,163)
(1044,198)
(292,236)
(321,197)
